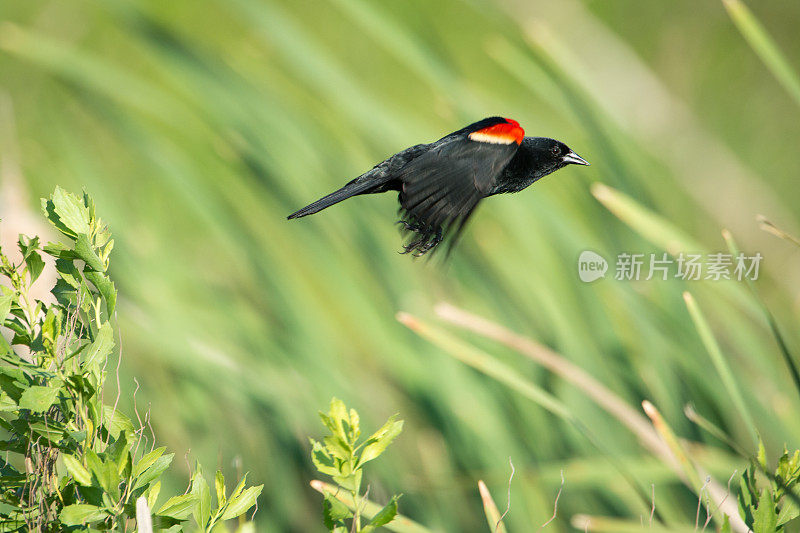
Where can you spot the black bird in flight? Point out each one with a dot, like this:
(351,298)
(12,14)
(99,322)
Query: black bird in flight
(441,183)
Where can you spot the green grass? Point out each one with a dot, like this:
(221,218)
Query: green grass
(198,129)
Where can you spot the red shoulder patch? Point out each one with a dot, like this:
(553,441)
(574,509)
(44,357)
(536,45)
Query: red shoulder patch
(504,133)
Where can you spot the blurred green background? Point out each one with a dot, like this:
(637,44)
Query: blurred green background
(198,126)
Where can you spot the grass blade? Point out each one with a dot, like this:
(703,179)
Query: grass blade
(604,397)
(773,324)
(493,516)
(562,367)
(400,524)
(486,364)
(769,227)
(719,361)
(649,225)
(764,46)
(506,375)
(713,429)
(690,471)
(615,525)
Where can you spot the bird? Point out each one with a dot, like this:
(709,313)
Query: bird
(441,183)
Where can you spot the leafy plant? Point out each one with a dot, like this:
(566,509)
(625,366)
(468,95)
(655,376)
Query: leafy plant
(767,503)
(342,456)
(73,462)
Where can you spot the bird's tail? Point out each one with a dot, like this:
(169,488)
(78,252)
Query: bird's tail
(351,189)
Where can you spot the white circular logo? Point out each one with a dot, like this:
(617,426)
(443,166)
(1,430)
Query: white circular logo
(591,266)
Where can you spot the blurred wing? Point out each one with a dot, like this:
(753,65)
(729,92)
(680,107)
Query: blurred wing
(442,187)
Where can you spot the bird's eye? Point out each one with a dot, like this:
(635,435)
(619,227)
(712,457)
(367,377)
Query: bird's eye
(556,150)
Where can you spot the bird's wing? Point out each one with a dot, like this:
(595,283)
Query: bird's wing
(442,186)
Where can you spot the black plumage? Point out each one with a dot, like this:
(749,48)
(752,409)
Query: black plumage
(441,183)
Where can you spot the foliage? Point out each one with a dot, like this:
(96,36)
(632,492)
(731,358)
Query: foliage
(72,461)
(342,455)
(767,503)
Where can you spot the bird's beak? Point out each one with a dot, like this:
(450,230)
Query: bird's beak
(574,159)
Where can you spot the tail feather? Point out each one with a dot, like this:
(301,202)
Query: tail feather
(351,189)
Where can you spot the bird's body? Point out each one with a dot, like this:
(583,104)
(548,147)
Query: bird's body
(441,183)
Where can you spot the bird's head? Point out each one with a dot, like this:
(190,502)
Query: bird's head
(549,155)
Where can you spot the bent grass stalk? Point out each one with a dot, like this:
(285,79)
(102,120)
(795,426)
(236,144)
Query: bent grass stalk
(486,364)
(604,397)
(400,523)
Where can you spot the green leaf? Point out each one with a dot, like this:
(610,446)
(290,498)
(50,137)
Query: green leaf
(202,511)
(239,487)
(353,428)
(158,467)
(7,403)
(64,294)
(334,511)
(51,430)
(789,511)
(326,420)
(765,519)
(166,524)
(379,440)
(241,503)
(68,272)
(35,265)
(338,448)
(116,422)
(86,252)
(76,469)
(151,466)
(105,471)
(349,481)
(51,328)
(5,347)
(27,245)
(117,451)
(7,297)
(28,248)
(81,513)
(105,287)
(49,210)
(322,459)
(762,454)
(152,494)
(147,461)
(385,515)
(90,206)
(336,418)
(219,486)
(38,398)
(60,251)
(102,346)
(179,507)
(71,211)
